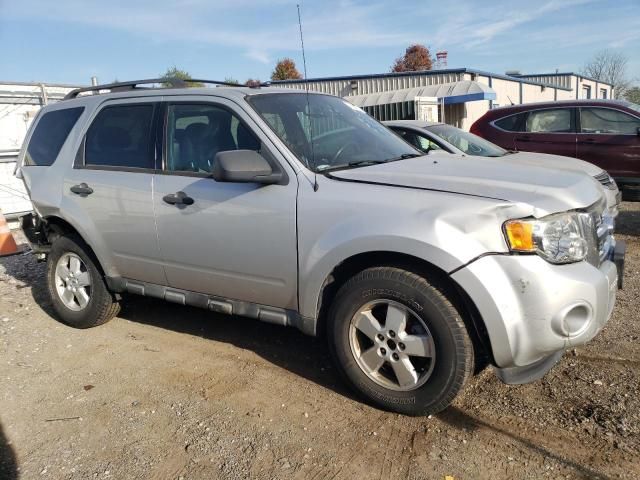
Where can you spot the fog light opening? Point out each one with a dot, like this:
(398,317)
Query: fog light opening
(572,320)
(575,320)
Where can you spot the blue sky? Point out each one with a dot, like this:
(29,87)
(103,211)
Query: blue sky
(68,41)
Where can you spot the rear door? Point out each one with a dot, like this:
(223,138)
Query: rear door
(550,130)
(108,193)
(609,138)
(234,240)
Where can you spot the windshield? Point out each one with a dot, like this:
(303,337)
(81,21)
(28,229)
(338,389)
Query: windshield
(467,142)
(632,106)
(326,132)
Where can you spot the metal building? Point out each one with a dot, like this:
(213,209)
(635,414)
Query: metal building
(456,96)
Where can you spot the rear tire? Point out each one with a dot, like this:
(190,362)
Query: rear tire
(399,342)
(76,286)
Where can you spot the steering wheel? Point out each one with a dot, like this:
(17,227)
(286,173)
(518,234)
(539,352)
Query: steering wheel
(341,150)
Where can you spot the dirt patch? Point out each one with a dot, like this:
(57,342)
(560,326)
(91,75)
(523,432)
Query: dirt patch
(173,392)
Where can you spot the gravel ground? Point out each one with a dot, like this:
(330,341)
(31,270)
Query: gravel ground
(173,392)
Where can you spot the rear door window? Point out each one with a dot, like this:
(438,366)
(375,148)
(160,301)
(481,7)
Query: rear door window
(607,121)
(121,136)
(554,120)
(50,134)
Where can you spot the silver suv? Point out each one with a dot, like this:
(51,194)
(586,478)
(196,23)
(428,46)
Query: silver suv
(299,209)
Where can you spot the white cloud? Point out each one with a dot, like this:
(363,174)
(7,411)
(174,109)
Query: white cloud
(259,55)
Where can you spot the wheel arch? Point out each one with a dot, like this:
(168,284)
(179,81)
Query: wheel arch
(461,300)
(58,226)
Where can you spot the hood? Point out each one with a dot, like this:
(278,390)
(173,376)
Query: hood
(554,161)
(547,190)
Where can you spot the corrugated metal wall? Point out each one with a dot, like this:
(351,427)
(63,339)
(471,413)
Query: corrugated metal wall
(365,85)
(561,80)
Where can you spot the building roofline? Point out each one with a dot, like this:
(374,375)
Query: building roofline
(422,72)
(561,74)
(37,84)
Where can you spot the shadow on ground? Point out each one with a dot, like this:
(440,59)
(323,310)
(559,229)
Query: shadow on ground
(8,462)
(285,347)
(460,420)
(628,223)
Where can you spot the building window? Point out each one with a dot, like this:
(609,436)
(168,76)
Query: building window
(603,93)
(586,91)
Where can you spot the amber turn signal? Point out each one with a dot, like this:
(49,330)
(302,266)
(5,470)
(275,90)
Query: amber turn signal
(520,235)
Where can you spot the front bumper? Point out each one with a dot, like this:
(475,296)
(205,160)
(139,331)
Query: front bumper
(534,310)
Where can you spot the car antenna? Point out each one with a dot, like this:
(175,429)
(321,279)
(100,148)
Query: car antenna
(306,87)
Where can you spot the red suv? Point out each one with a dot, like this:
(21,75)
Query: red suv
(603,132)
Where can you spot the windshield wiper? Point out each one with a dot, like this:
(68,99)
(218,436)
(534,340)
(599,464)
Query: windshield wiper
(360,163)
(404,156)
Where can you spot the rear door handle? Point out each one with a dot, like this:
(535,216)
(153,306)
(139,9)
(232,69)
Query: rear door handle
(523,139)
(179,198)
(589,140)
(82,189)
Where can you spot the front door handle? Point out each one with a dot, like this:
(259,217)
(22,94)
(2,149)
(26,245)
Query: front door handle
(526,138)
(179,198)
(82,189)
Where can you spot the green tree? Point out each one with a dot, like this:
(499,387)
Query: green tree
(173,75)
(285,69)
(416,58)
(231,80)
(633,95)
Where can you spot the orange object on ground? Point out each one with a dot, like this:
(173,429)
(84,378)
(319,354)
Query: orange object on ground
(7,243)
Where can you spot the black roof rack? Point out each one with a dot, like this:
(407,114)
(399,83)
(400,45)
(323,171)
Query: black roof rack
(176,83)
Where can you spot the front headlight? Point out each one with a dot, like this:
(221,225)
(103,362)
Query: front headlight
(560,238)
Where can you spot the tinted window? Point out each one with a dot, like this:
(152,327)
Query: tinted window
(604,120)
(196,133)
(467,142)
(49,136)
(420,142)
(121,137)
(553,120)
(512,123)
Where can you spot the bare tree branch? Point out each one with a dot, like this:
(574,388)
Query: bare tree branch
(610,67)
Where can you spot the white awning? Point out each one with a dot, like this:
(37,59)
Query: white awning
(456,92)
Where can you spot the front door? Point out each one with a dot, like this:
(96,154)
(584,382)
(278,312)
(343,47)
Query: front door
(609,138)
(109,190)
(550,130)
(234,240)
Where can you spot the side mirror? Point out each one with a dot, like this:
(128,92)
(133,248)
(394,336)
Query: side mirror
(638,131)
(243,166)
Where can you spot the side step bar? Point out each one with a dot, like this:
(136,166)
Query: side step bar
(277,316)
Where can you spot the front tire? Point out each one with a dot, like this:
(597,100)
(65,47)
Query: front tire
(77,289)
(399,341)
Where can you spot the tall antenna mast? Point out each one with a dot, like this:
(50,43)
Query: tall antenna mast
(304,59)
(306,87)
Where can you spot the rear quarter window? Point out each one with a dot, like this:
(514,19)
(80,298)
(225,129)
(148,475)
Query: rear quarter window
(50,134)
(512,123)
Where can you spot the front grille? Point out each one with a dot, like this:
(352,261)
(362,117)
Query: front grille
(605,180)
(603,229)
